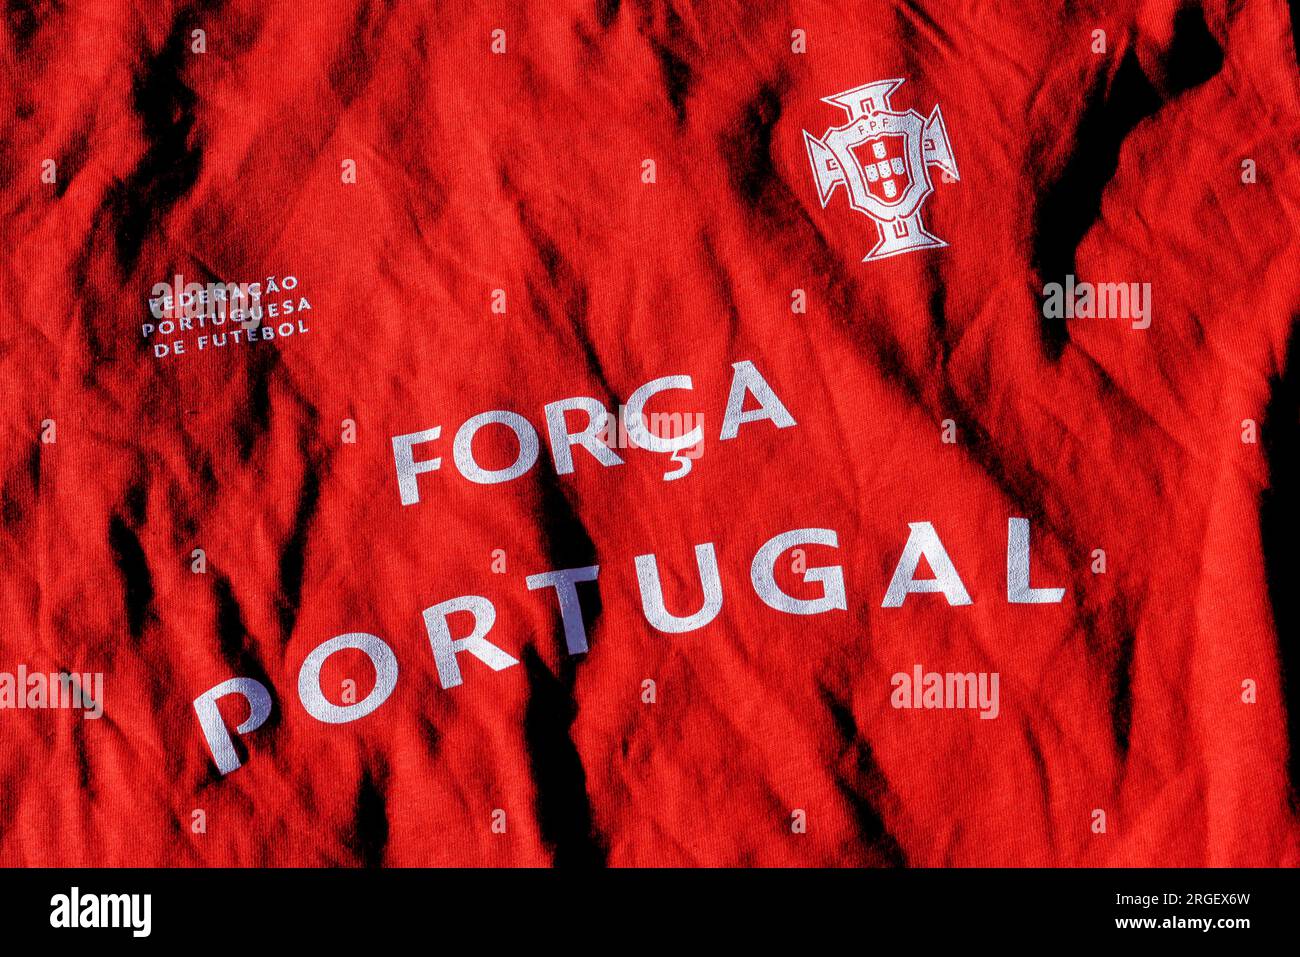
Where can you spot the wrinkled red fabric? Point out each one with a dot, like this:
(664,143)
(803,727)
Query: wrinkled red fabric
(523,171)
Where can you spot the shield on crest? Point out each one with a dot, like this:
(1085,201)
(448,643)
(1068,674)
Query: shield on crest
(884,164)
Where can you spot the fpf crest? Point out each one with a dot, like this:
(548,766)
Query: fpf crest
(882,158)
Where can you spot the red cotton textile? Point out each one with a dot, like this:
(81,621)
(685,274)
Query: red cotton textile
(403,163)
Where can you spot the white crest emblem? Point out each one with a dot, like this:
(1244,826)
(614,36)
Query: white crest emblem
(882,159)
